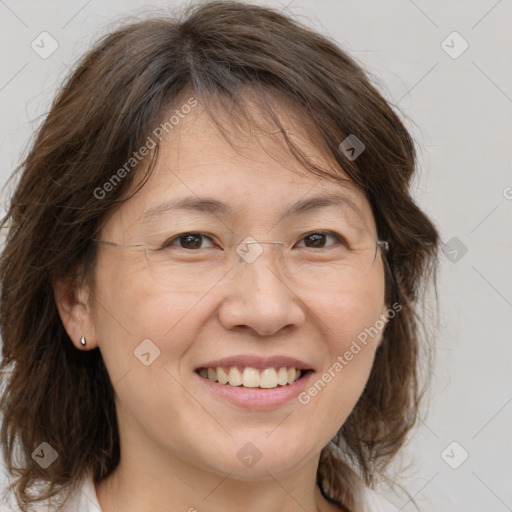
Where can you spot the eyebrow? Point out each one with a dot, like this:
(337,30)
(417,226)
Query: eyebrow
(215,207)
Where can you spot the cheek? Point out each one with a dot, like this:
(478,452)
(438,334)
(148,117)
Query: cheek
(357,321)
(352,325)
(356,331)
(144,338)
(131,308)
(353,316)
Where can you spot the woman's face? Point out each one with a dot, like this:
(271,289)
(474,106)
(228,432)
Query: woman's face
(159,316)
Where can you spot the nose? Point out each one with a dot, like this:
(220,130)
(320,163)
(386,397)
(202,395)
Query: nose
(258,296)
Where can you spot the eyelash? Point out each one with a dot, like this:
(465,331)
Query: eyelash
(336,236)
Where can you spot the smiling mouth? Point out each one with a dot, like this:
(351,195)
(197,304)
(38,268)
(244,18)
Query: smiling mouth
(248,377)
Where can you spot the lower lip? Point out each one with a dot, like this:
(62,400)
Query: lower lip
(257,398)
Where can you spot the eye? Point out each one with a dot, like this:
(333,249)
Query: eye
(317,239)
(188,241)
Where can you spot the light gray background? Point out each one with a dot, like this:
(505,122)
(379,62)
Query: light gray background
(461,115)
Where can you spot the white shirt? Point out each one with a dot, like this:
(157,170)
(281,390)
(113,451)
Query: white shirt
(85,500)
(82,499)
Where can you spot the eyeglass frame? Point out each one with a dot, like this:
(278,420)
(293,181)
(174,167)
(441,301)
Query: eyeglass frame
(384,243)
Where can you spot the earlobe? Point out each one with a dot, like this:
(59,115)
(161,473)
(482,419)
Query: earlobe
(75,312)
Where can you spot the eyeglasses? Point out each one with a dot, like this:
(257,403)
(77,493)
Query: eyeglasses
(181,262)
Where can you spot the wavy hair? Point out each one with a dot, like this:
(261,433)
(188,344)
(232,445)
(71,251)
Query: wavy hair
(118,92)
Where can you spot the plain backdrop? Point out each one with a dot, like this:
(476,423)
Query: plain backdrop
(447,66)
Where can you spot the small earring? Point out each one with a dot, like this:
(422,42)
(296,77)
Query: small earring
(82,341)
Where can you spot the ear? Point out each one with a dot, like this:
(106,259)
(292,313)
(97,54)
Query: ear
(74,306)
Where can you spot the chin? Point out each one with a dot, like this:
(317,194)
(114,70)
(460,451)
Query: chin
(252,461)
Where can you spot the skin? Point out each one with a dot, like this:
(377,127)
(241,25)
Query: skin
(179,442)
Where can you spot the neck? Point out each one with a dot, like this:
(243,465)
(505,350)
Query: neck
(138,487)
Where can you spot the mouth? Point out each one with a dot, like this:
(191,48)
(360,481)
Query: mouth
(250,377)
(254,383)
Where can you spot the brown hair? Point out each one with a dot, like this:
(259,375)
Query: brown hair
(118,93)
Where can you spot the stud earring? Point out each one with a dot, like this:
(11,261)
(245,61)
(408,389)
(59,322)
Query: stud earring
(82,341)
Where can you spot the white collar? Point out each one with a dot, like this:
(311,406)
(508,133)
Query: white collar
(86,498)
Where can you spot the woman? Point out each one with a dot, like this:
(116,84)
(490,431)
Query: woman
(212,278)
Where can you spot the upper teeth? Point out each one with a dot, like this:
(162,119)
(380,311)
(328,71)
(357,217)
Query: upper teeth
(251,377)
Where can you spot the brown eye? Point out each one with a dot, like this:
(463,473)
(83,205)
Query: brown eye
(188,241)
(318,239)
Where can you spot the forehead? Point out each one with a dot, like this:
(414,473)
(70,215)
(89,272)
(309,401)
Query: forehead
(251,175)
